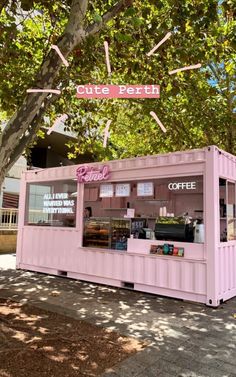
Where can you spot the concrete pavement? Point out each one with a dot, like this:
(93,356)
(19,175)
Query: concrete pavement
(7,261)
(184,339)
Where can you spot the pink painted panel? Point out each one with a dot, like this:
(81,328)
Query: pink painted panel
(162,272)
(175,268)
(188,161)
(57,249)
(149,274)
(49,247)
(187,279)
(117,268)
(211,206)
(200,278)
(226,269)
(227,165)
(138,266)
(171,293)
(162,266)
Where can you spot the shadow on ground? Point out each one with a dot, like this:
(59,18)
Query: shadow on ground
(185,339)
(35,342)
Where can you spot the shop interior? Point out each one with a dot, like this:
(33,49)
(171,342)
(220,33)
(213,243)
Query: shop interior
(164,209)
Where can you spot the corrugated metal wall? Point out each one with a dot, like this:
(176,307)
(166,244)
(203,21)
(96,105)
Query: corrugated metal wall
(128,165)
(58,249)
(226,254)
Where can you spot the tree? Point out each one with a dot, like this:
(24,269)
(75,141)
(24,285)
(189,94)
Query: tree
(23,126)
(194,106)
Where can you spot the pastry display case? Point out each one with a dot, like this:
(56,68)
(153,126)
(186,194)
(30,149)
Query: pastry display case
(97,232)
(120,232)
(110,233)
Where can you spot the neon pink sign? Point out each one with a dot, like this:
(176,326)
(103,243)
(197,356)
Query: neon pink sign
(117,91)
(90,174)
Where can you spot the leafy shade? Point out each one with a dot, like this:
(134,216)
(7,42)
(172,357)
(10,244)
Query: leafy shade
(197,107)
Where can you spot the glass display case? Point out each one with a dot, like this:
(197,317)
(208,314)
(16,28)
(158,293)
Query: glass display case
(108,233)
(120,232)
(97,232)
(111,233)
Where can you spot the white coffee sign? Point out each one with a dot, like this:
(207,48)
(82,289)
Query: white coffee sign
(182,186)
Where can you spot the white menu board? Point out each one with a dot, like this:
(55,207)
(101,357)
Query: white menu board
(130,212)
(123,189)
(106,190)
(145,189)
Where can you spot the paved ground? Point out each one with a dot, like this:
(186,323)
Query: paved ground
(7,261)
(185,339)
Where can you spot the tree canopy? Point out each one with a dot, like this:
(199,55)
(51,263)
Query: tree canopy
(197,107)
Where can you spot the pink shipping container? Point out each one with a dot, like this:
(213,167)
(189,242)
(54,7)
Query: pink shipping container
(163,224)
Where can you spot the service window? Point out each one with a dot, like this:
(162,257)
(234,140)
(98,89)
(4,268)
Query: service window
(51,203)
(227,210)
(169,209)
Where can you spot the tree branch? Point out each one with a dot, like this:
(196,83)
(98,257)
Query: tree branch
(31,135)
(114,11)
(26,117)
(75,25)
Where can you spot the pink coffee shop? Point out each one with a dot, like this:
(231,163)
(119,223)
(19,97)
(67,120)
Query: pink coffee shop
(162,224)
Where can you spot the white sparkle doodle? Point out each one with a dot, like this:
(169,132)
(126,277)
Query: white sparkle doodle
(54,91)
(60,119)
(157,120)
(106,133)
(56,48)
(168,35)
(107,58)
(185,68)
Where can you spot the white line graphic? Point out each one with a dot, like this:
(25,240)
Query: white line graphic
(168,35)
(185,68)
(107,57)
(54,91)
(60,119)
(157,120)
(56,48)
(106,133)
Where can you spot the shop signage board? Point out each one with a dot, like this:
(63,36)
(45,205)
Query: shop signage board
(182,186)
(87,174)
(145,189)
(117,91)
(122,189)
(130,213)
(106,190)
(58,203)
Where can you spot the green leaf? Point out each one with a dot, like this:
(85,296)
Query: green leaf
(97,18)
(130,11)
(137,21)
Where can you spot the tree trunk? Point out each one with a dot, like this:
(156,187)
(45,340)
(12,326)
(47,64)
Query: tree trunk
(22,127)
